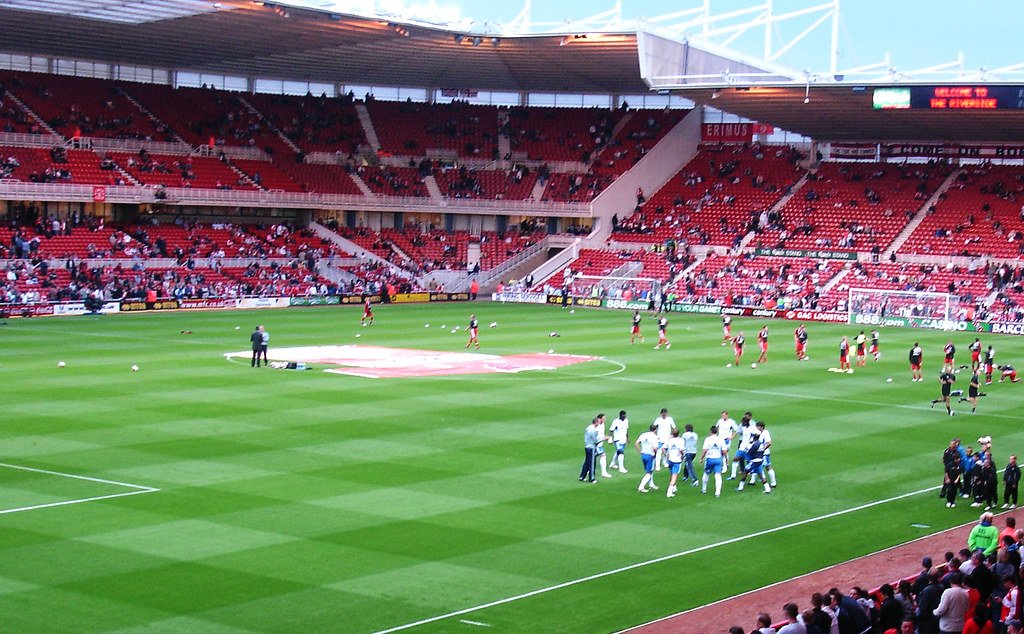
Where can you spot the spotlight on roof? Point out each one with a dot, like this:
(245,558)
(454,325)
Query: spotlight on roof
(495,42)
(477,40)
(335,16)
(398,28)
(807,100)
(565,40)
(715,94)
(458,38)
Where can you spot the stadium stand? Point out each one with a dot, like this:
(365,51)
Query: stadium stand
(386,180)
(970,286)
(497,247)
(575,187)
(80,106)
(267,175)
(314,124)
(982,213)
(198,172)
(715,198)
(640,134)
(756,281)
(857,207)
(55,165)
(411,129)
(560,134)
(315,177)
(516,184)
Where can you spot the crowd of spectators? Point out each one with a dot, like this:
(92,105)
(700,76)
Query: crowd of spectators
(975,591)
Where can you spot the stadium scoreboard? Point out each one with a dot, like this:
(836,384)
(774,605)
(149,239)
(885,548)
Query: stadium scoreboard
(949,98)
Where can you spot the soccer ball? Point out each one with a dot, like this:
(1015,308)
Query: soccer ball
(728,365)
(494,324)
(444,326)
(889,380)
(572,311)
(753,366)
(358,335)
(60,364)
(238,327)
(454,330)
(135,368)
(551,352)
(426,325)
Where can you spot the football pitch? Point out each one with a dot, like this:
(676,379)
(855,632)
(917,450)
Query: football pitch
(200,494)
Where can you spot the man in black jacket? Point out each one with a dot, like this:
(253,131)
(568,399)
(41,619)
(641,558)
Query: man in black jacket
(1011,480)
(890,614)
(852,618)
(927,600)
(257,346)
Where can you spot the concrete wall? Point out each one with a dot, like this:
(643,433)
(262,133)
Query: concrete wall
(659,165)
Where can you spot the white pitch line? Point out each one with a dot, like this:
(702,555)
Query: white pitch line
(656,560)
(476,623)
(139,487)
(79,501)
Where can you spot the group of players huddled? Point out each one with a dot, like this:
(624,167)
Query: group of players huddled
(663,445)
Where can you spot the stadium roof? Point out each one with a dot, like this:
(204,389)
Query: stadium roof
(263,39)
(846,113)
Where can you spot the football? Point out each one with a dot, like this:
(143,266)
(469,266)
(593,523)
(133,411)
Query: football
(728,365)
(889,380)
(551,352)
(753,366)
(135,368)
(60,364)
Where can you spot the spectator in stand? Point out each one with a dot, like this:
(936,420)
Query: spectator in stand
(764,625)
(927,601)
(953,606)
(794,624)
(890,613)
(821,619)
(984,535)
(849,614)
(978,622)
(922,577)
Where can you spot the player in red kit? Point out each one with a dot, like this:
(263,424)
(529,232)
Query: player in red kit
(762,342)
(737,346)
(844,356)
(635,332)
(367,318)
(662,337)
(472,333)
(975,355)
(800,337)
(875,352)
(950,352)
(726,329)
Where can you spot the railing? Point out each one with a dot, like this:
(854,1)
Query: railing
(101,144)
(232,151)
(19,190)
(491,275)
(24,139)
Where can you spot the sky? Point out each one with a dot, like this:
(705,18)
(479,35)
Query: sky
(917,33)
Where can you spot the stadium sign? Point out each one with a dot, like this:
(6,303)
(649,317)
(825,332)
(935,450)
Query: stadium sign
(627,304)
(593,302)
(726,132)
(705,309)
(947,324)
(519,297)
(134,306)
(26,310)
(78,308)
(197,303)
(449,297)
(358,299)
(878,320)
(816,254)
(324,300)
(263,302)
(953,150)
(1007,329)
(816,315)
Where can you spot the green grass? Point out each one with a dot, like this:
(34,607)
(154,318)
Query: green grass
(305,501)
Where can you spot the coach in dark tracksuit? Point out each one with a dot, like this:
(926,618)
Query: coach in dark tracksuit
(257,346)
